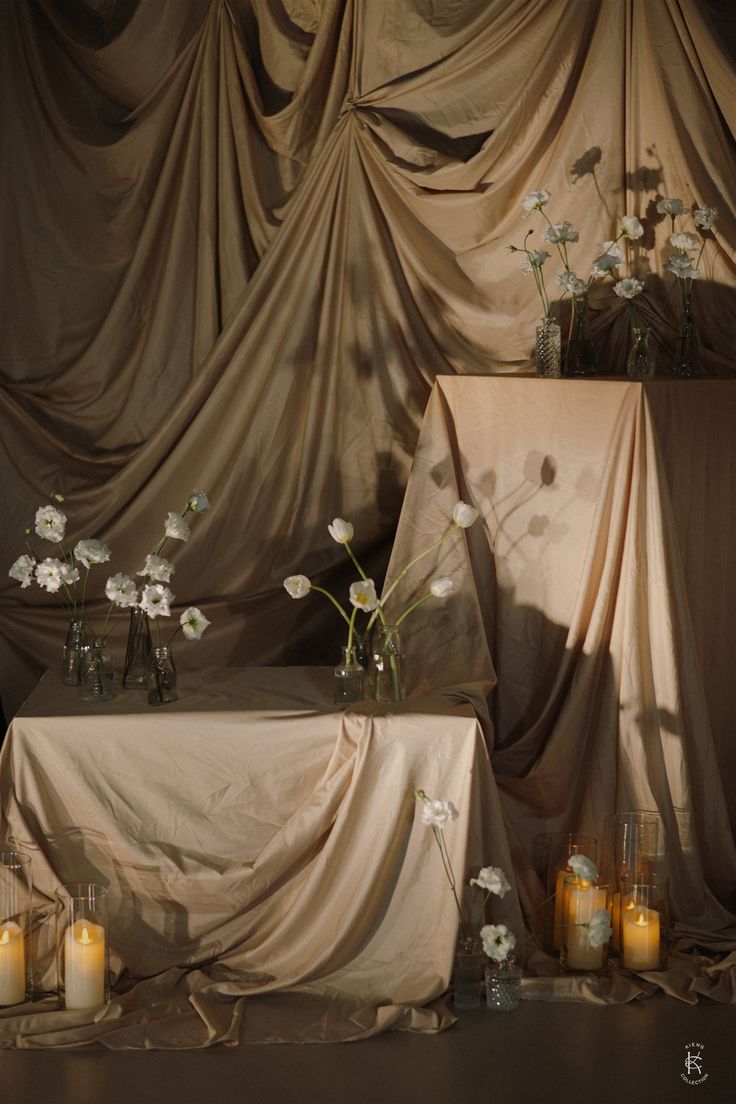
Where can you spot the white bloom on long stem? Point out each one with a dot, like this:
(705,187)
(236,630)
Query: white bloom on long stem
(193,623)
(363,595)
(704,217)
(23,570)
(535,259)
(340,530)
(156,600)
(670,206)
(298,586)
(681,266)
(69,574)
(599,928)
(121,590)
(89,552)
(631,227)
(571,282)
(198,502)
(604,264)
(176,527)
(436,813)
(441,586)
(560,232)
(50,523)
(157,568)
(584,867)
(464,515)
(628,287)
(685,242)
(498,941)
(611,249)
(493,880)
(48,574)
(535,201)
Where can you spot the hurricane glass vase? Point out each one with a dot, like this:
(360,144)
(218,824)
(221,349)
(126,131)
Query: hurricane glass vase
(686,364)
(161,677)
(503,986)
(547,349)
(97,673)
(138,649)
(349,677)
(640,363)
(387,665)
(71,672)
(15,926)
(580,356)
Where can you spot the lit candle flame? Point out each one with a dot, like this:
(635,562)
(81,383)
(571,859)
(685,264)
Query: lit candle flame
(85,937)
(641,920)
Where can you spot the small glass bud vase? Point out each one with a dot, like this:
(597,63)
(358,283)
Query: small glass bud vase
(138,650)
(97,673)
(387,666)
(582,951)
(503,986)
(644,922)
(547,350)
(349,677)
(15,926)
(687,354)
(161,677)
(467,975)
(82,953)
(641,363)
(580,355)
(71,672)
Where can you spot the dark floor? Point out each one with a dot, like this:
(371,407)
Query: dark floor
(540,1054)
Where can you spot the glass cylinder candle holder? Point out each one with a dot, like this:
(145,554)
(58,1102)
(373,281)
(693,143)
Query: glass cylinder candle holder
(644,922)
(15,927)
(585,938)
(633,841)
(82,945)
(560,848)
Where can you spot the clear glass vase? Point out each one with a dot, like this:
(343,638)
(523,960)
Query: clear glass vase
(161,677)
(641,363)
(503,986)
(687,354)
(580,355)
(467,976)
(387,665)
(97,673)
(71,672)
(138,650)
(547,350)
(349,678)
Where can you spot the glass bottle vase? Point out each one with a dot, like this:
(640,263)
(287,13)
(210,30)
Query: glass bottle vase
(387,665)
(547,349)
(71,671)
(686,364)
(467,976)
(580,356)
(161,677)
(640,363)
(503,986)
(138,649)
(349,677)
(97,673)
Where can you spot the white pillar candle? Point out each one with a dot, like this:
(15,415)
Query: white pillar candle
(582,902)
(12,964)
(640,931)
(84,965)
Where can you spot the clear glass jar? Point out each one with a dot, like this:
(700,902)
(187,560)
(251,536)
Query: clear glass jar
(503,986)
(547,350)
(138,649)
(97,673)
(71,671)
(387,665)
(641,363)
(349,678)
(161,677)
(467,976)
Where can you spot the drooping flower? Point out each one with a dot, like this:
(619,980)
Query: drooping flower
(704,217)
(340,530)
(681,266)
(23,570)
(121,590)
(631,227)
(535,259)
(599,928)
(498,941)
(298,586)
(89,552)
(157,568)
(176,527)
(571,283)
(670,206)
(584,867)
(436,813)
(535,201)
(48,574)
(493,880)
(560,232)
(156,600)
(628,287)
(50,523)
(464,515)
(198,502)
(685,242)
(363,595)
(442,586)
(193,623)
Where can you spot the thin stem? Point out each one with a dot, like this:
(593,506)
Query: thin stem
(413,606)
(334,601)
(384,597)
(440,837)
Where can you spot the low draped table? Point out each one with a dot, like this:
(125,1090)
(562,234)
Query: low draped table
(269,876)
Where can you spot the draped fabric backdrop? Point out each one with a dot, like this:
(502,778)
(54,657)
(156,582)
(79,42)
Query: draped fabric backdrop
(242,237)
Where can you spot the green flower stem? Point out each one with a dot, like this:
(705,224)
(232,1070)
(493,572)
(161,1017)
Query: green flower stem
(384,597)
(334,601)
(350,630)
(176,630)
(440,837)
(412,607)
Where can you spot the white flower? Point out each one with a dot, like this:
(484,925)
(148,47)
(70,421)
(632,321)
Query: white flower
(50,523)
(704,217)
(156,600)
(584,867)
(631,227)
(442,586)
(121,590)
(560,232)
(193,623)
(672,207)
(571,283)
(599,928)
(628,287)
(536,259)
(604,264)
(157,568)
(298,586)
(340,531)
(48,574)
(198,502)
(437,813)
(90,552)
(498,941)
(611,249)
(685,242)
(176,527)
(363,595)
(464,515)
(68,574)
(22,571)
(492,879)
(535,201)
(681,266)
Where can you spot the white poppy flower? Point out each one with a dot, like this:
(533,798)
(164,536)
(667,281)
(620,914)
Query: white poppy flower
(599,928)
(23,570)
(535,201)
(48,574)
(671,207)
(436,813)
(631,227)
(560,232)
(156,600)
(685,242)
(628,287)
(298,586)
(121,590)
(50,523)
(198,502)
(68,574)
(89,552)
(536,259)
(571,282)
(442,586)
(611,249)
(157,568)
(176,527)
(464,515)
(584,867)
(704,217)
(193,623)
(498,941)
(681,266)
(492,879)
(363,595)
(340,531)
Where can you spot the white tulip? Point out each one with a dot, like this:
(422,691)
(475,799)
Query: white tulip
(298,586)
(464,515)
(363,595)
(442,586)
(341,530)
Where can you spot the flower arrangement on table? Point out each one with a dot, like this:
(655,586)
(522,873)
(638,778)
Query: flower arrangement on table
(387,660)
(684,264)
